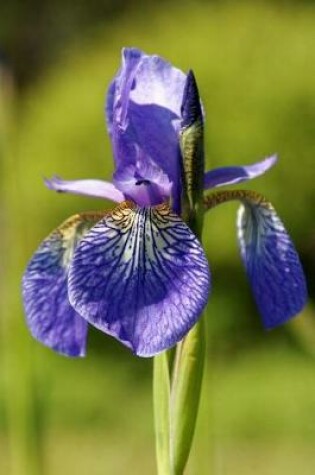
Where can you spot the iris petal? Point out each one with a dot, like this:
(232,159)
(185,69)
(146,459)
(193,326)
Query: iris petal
(144,183)
(269,256)
(141,276)
(96,188)
(232,175)
(272,263)
(144,110)
(50,316)
(119,90)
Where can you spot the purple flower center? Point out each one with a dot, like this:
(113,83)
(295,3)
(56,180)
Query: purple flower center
(144,182)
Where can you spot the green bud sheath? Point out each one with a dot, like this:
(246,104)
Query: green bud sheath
(192,149)
(190,352)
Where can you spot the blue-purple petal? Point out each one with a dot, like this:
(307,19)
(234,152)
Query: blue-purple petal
(272,263)
(144,183)
(141,276)
(232,175)
(143,109)
(95,188)
(119,90)
(50,317)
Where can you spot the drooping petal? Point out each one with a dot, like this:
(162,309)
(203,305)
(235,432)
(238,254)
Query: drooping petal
(141,276)
(49,314)
(231,175)
(95,188)
(143,109)
(269,256)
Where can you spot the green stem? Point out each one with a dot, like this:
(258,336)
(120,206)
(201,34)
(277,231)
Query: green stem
(176,405)
(161,396)
(185,394)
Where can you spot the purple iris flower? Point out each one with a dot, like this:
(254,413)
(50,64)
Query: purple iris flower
(139,273)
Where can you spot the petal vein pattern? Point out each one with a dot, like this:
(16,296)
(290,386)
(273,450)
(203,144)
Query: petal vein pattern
(141,276)
(269,256)
(50,316)
(272,263)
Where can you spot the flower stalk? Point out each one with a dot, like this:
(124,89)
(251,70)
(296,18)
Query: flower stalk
(161,399)
(176,400)
(187,370)
(185,396)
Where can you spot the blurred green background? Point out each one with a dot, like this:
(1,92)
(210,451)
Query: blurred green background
(255,66)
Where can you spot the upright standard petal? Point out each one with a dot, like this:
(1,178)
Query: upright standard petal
(232,175)
(49,314)
(143,108)
(141,276)
(95,188)
(269,256)
(119,89)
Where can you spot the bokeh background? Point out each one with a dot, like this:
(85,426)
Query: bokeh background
(255,66)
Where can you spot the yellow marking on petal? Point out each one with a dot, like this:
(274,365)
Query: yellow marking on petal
(121,212)
(163,209)
(246,196)
(72,230)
